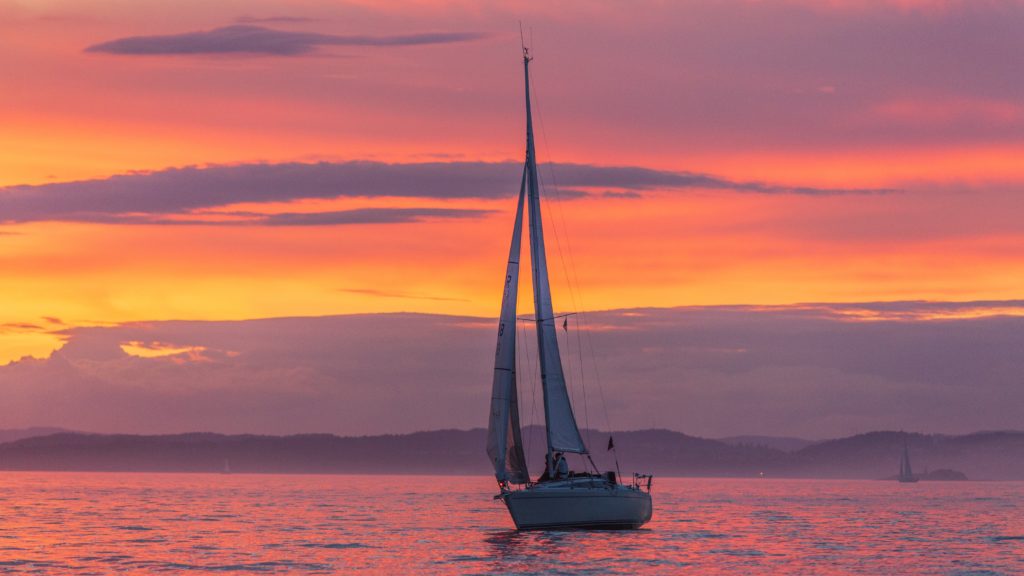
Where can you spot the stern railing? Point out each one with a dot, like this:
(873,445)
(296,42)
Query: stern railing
(642,481)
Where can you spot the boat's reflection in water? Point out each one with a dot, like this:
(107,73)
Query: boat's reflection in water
(518,551)
(512,543)
(507,543)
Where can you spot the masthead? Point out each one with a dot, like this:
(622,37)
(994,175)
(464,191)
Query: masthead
(522,42)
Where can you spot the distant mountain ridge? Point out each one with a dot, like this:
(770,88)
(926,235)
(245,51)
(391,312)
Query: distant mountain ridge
(12,434)
(784,443)
(983,455)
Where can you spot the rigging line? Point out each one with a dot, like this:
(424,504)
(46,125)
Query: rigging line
(555,227)
(558,204)
(572,261)
(586,407)
(575,276)
(534,320)
(570,381)
(544,197)
(565,270)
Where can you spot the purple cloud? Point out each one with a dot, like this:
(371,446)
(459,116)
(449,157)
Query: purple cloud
(248,39)
(366,216)
(20,327)
(806,370)
(151,196)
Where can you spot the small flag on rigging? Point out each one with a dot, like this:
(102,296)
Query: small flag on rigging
(611,443)
(565,324)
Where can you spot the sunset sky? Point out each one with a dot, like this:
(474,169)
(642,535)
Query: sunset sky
(215,162)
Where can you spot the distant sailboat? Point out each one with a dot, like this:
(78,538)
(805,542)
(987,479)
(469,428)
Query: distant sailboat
(906,474)
(559,498)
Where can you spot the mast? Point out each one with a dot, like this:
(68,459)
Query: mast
(905,470)
(563,435)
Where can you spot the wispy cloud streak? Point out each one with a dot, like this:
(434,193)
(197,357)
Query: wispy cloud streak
(366,216)
(149,196)
(249,39)
(398,294)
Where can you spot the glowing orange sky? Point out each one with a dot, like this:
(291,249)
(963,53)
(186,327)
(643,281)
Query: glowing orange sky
(749,92)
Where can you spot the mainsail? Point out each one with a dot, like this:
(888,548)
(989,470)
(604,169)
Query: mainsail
(504,439)
(905,470)
(563,434)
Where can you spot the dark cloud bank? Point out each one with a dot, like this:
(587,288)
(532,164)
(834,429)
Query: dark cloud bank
(250,39)
(807,371)
(147,197)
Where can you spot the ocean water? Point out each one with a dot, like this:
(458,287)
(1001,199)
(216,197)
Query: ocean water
(103,523)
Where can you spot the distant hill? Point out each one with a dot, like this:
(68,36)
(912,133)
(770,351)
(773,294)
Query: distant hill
(784,443)
(984,455)
(981,456)
(12,434)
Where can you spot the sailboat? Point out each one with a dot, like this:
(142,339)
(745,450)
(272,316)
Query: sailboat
(559,499)
(906,474)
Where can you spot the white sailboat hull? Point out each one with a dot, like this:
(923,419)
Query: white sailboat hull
(577,504)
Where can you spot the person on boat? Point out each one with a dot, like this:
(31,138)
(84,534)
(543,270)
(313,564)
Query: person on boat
(561,467)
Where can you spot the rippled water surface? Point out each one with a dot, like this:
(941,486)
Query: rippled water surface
(74,523)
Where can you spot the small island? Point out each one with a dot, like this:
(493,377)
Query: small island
(943,474)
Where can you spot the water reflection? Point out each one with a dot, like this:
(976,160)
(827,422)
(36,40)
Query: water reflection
(506,543)
(529,552)
(206,524)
